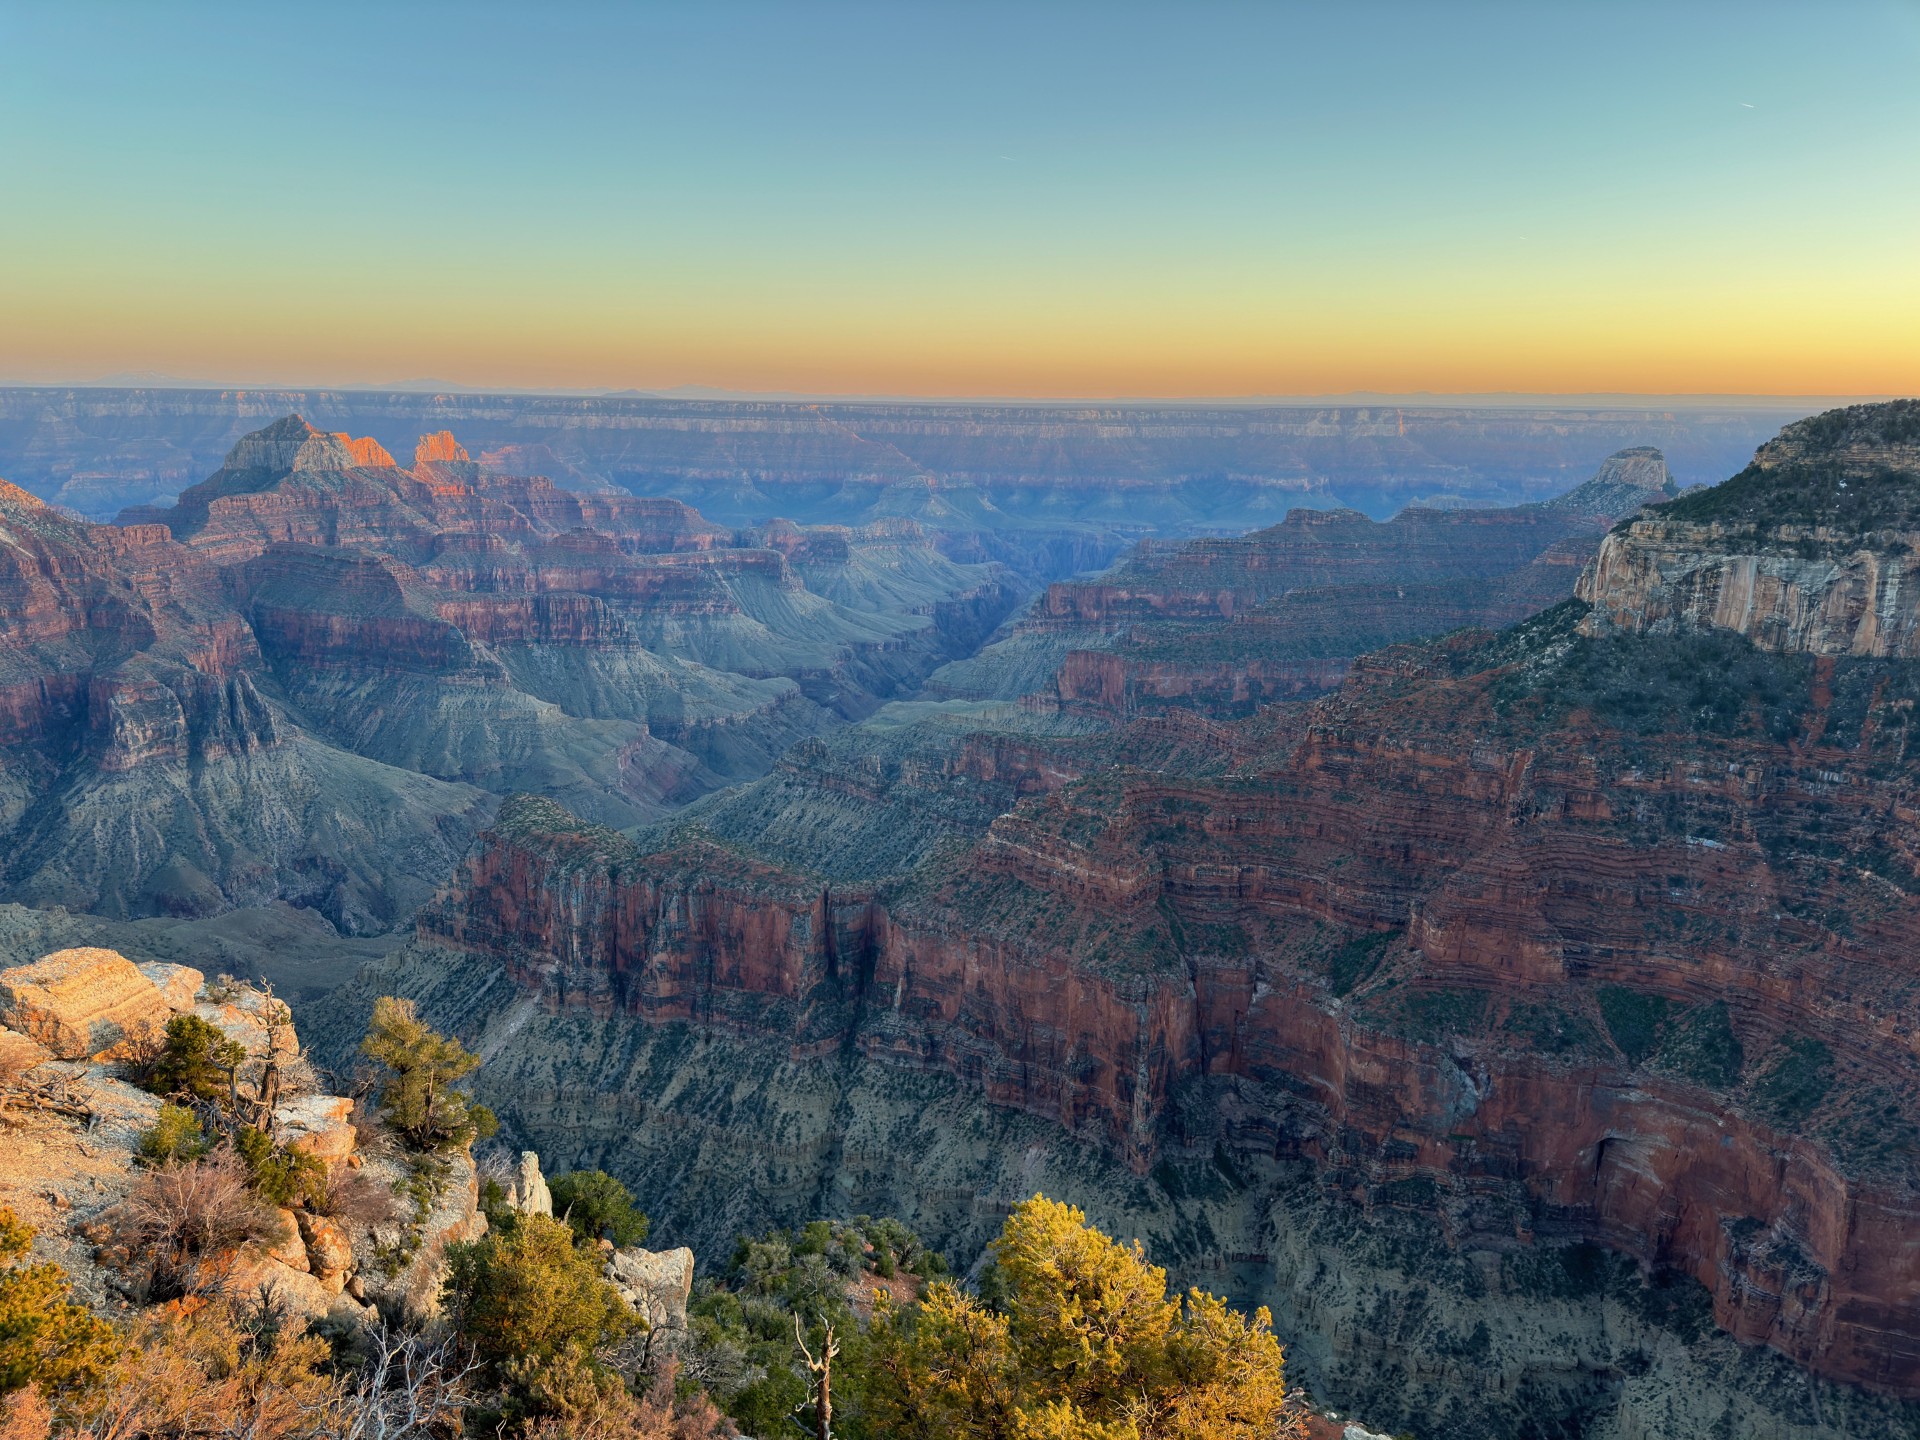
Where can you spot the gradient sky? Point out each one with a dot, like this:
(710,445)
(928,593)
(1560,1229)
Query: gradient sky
(1185,199)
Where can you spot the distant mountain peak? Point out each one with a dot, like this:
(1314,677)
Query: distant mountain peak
(290,444)
(367,452)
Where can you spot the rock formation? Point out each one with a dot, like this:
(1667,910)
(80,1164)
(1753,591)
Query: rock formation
(83,1003)
(309,678)
(1584,938)
(1810,549)
(528,1192)
(1226,625)
(657,1284)
(75,1150)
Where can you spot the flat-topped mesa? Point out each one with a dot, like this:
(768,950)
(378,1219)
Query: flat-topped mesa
(1810,549)
(440,448)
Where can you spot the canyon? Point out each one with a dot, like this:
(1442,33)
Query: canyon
(1525,1016)
(1481,933)
(310,679)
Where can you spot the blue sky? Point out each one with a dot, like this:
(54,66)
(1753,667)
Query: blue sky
(969,199)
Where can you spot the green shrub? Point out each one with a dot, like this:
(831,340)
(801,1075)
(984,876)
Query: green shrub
(1634,1018)
(45,1338)
(281,1176)
(198,1059)
(598,1207)
(529,1298)
(1794,1081)
(176,1137)
(1701,1046)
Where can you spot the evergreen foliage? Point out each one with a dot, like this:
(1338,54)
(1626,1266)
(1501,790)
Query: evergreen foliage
(598,1207)
(197,1060)
(46,1340)
(418,1100)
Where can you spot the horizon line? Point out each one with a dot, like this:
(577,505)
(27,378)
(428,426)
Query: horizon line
(702,394)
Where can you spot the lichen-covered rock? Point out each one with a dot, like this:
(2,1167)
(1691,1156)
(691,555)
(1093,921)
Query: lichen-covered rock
(261,1024)
(412,1295)
(179,985)
(655,1282)
(80,1003)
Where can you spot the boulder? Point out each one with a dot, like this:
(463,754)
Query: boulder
(288,1248)
(321,1125)
(302,1294)
(179,985)
(655,1282)
(82,1003)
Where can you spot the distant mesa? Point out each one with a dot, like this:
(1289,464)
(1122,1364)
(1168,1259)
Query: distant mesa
(440,448)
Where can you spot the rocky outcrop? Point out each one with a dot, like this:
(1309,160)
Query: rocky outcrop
(75,1140)
(179,985)
(657,1284)
(528,1192)
(411,1292)
(440,448)
(83,1003)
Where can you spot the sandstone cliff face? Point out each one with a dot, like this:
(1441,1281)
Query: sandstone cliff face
(1097,955)
(1830,593)
(1810,549)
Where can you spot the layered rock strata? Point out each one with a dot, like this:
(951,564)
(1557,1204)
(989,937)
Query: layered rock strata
(1555,937)
(1226,625)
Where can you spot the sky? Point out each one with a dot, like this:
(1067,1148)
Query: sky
(1044,199)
